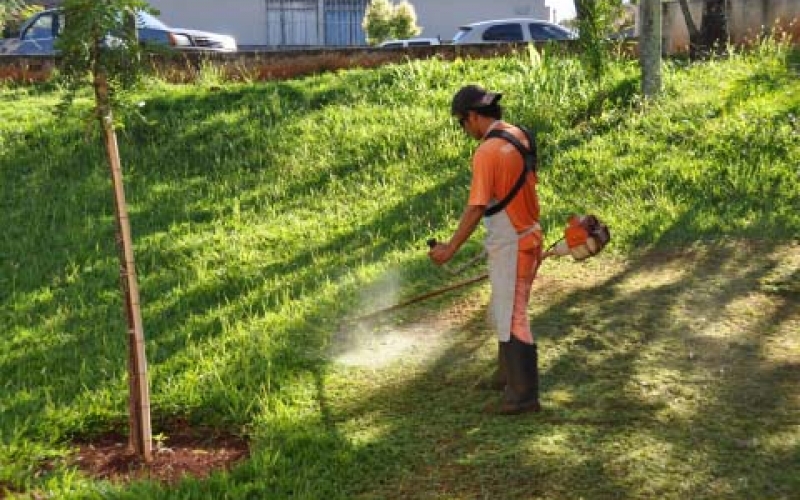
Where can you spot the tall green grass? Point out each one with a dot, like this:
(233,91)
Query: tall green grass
(261,212)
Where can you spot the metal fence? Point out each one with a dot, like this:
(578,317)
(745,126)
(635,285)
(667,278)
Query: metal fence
(343,22)
(304,23)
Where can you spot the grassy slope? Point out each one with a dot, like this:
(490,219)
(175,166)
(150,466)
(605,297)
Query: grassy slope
(263,214)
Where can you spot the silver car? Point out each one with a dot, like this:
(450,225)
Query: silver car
(511,30)
(37,36)
(409,42)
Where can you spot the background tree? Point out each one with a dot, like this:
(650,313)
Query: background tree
(6,9)
(99,47)
(14,12)
(384,21)
(650,46)
(713,32)
(377,21)
(714,25)
(404,21)
(595,20)
(694,33)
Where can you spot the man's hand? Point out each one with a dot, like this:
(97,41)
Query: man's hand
(441,253)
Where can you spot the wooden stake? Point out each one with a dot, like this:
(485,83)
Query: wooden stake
(139,394)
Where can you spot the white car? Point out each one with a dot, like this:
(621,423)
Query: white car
(520,29)
(409,42)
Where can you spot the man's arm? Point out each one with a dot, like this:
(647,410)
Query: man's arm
(470,219)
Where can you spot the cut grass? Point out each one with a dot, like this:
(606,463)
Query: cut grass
(265,215)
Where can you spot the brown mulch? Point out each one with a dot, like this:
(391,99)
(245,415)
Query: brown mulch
(185,451)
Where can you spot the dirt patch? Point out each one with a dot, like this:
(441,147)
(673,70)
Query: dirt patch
(185,451)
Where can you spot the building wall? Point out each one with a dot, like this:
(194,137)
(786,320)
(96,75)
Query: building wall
(746,20)
(749,18)
(247,20)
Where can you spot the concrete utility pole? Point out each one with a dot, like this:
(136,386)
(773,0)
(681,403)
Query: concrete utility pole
(650,46)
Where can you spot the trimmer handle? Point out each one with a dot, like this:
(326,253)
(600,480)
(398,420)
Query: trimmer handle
(432,243)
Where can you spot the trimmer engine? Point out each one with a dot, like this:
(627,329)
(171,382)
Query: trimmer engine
(584,236)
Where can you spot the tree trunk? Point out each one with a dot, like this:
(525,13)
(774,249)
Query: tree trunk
(650,46)
(714,26)
(713,32)
(695,37)
(590,40)
(139,395)
(581,10)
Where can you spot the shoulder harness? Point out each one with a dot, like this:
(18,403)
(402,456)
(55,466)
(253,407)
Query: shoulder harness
(529,157)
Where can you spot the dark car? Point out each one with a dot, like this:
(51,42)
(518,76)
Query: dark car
(37,36)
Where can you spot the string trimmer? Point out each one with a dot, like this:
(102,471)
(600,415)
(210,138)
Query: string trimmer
(425,296)
(584,237)
(422,297)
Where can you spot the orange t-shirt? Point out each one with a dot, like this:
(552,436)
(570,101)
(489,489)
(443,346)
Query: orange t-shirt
(496,166)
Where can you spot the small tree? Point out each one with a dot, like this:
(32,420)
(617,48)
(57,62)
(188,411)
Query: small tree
(595,20)
(100,49)
(6,9)
(384,21)
(377,21)
(13,12)
(404,21)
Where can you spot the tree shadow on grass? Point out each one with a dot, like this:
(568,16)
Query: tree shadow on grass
(621,423)
(639,418)
(74,302)
(606,407)
(425,445)
(83,188)
(607,440)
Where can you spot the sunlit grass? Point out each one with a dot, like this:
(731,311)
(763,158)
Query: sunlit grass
(265,215)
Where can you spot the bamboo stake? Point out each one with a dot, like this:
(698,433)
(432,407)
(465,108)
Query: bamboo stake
(139,394)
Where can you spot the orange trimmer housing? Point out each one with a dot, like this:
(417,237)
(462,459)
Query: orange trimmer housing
(575,234)
(584,236)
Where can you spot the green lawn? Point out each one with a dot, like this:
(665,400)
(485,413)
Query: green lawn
(265,215)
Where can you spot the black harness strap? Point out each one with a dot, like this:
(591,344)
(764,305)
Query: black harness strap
(529,157)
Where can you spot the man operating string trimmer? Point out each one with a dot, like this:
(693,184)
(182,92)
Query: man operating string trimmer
(503,194)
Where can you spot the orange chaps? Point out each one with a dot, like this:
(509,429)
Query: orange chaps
(529,258)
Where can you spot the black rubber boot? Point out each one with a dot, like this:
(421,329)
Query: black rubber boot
(499,378)
(521,394)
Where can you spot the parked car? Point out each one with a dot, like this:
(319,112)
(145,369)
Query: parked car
(409,42)
(511,30)
(37,36)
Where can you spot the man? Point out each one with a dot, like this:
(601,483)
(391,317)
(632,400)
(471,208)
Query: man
(513,240)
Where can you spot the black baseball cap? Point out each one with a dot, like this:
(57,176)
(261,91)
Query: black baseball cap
(473,97)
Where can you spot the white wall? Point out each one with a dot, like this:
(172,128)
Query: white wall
(246,19)
(443,17)
(746,19)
